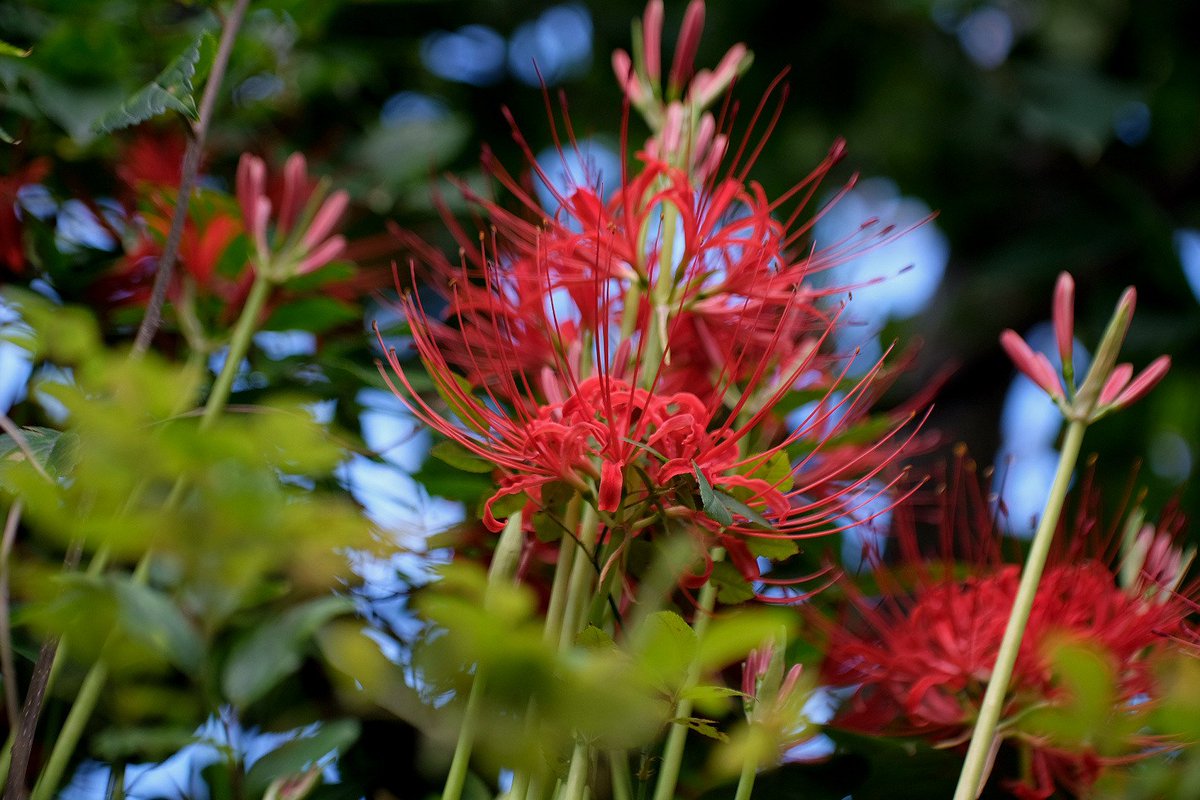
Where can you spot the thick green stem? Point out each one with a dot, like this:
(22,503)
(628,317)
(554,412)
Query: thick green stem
(502,571)
(577,775)
(745,785)
(579,589)
(622,782)
(970,782)
(668,774)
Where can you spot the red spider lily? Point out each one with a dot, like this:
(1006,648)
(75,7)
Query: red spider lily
(206,237)
(152,161)
(920,654)
(12,247)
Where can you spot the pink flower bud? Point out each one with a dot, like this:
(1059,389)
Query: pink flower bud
(1038,370)
(627,79)
(672,131)
(251,184)
(789,682)
(257,225)
(1064,317)
(1128,302)
(706,86)
(326,217)
(689,41)
(325,252)
(1115,383)
(295,180)
(704,134)
(652,25)
(1143,383)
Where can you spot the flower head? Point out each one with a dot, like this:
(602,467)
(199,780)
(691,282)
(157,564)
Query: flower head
(920,654)
(304,217)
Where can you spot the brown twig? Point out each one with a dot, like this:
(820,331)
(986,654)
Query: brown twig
(187,182)
(15,789)
(8,666)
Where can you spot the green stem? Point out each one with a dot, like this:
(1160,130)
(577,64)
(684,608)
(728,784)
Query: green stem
(239,345)
(93,683)
(502,570)
(72,729)
(668,774)
(466,740)
(622,783)
(581,575)
(970,782)
(577,775)
(745,785)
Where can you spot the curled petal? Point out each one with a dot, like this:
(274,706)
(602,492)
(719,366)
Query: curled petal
(612,482)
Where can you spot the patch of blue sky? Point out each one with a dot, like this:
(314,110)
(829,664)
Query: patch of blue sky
(554,47)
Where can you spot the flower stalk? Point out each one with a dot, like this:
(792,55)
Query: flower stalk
(668,775)
(971,780)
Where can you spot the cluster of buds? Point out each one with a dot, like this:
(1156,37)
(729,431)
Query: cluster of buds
(1108,386)
(685,133)
(304,216)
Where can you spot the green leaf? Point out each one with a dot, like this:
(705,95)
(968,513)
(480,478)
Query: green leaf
(300,754)
(730,637)
(276,649)
(128,744)
(42,442)
(459,457)
(6,137)
(171,90)
(150,617)
(773,549)
(732,586)
(665,647)
(711,503)
(735,506)
(704,727)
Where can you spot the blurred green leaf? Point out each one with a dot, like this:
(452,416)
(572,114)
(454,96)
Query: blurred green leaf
(171,90)
(299,754)
(664,646)
(315,314)
(276,648)
(131,743)
(7,49)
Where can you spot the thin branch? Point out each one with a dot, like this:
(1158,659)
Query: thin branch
(15,789)
(191,166)
(18,437)
(7,664)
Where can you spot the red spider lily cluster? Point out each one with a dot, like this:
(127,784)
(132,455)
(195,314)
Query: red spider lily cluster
(918,653)
(640,345)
